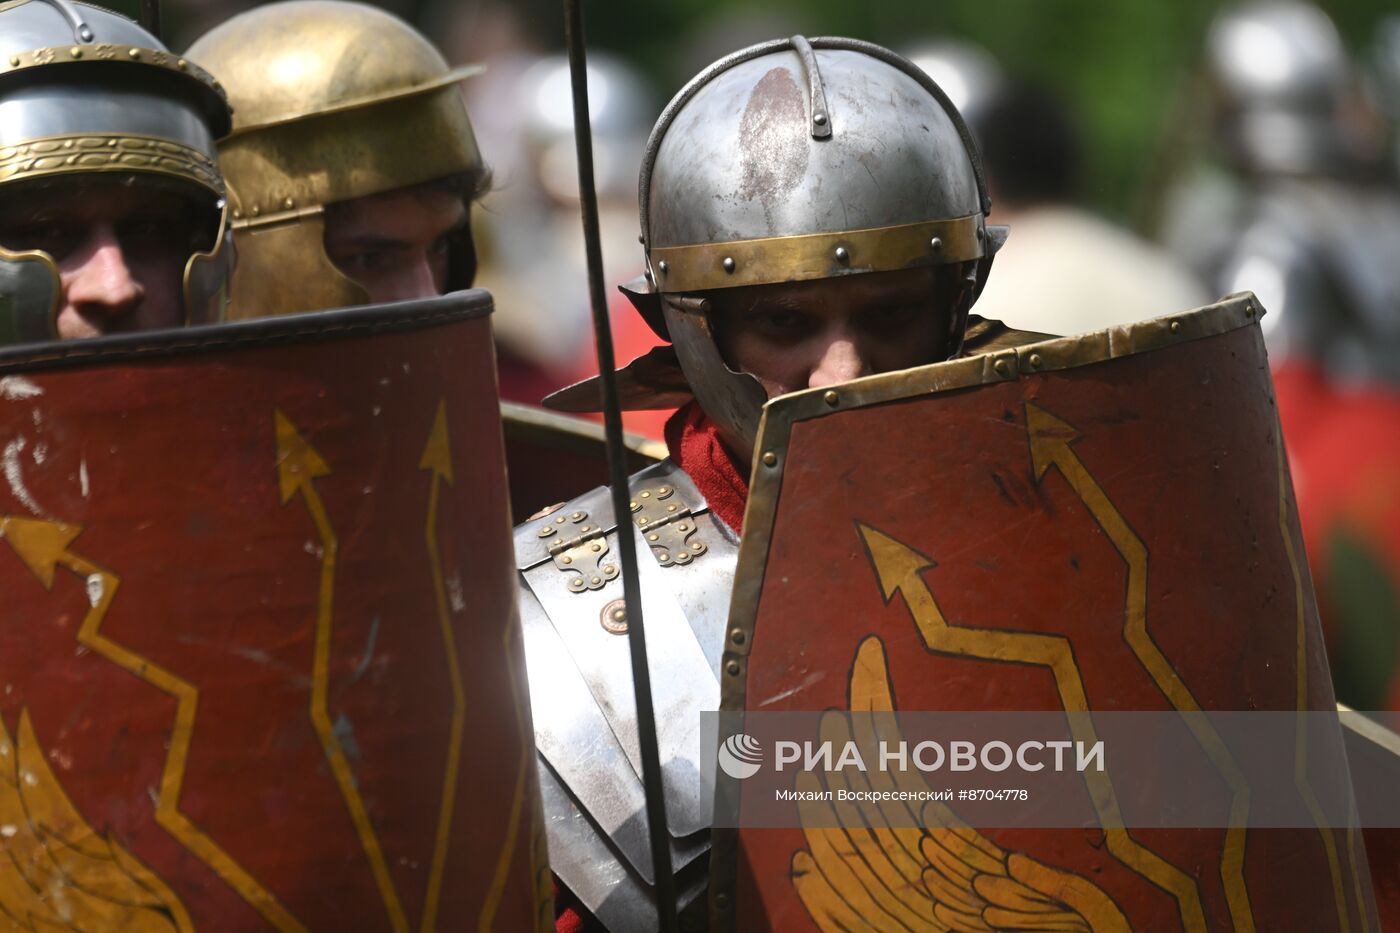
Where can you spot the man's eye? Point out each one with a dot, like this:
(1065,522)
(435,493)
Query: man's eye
(779,321)
(368,261)
(53,237)
(143,227)
(440,246)
(154,231)
(891,317)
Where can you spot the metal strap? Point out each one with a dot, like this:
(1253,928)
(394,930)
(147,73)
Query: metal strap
(816,98)
(81,31)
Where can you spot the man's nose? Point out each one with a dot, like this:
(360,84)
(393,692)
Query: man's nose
(414,280)
(104,281)
(840,360)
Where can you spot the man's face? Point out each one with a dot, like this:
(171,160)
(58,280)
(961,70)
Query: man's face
(120,246)
(395,244)
(809,334)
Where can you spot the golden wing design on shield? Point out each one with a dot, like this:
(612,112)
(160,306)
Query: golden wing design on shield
(56,872)
(883,870)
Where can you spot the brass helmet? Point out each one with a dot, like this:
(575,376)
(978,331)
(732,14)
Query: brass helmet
(1280,77)
(796,160)
(331,101)
(86,92)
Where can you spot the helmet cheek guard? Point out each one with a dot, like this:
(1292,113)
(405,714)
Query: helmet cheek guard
(29,297)
(733,399)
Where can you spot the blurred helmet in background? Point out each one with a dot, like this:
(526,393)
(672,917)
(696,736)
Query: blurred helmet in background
(1280,78)
(620,111)
(966,72)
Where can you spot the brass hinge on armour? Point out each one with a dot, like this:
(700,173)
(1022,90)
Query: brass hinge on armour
(666,525)
(580,550)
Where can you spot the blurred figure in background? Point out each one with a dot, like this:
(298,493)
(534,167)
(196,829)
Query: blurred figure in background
(1385,81)
(1311,224)
(532,243)
(1058,251)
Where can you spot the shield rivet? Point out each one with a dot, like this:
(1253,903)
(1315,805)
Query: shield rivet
(737,636)
(842,255)
(663,267)
(1175,327)
(831,398)
(634,505)
(936,244)
(1002,369)
(770,459)
(733,668)
(1035,361)
(729,264)
(653,537)
(546,531)
(578,516)
(819,119)
(134,53)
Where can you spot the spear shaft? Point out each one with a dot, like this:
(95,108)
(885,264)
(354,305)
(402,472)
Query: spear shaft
(617,472)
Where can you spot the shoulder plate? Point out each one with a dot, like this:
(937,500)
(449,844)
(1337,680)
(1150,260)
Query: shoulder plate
(584,710)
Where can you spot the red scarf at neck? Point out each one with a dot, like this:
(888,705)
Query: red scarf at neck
(693,441)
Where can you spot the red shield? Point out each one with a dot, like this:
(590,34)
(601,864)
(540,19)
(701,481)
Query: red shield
(1095,523)
(260,655)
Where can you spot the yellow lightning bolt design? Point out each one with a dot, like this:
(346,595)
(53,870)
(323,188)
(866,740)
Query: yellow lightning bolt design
(437,457)
(44,546)
(1050,440)
(899,568)
(298,465)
